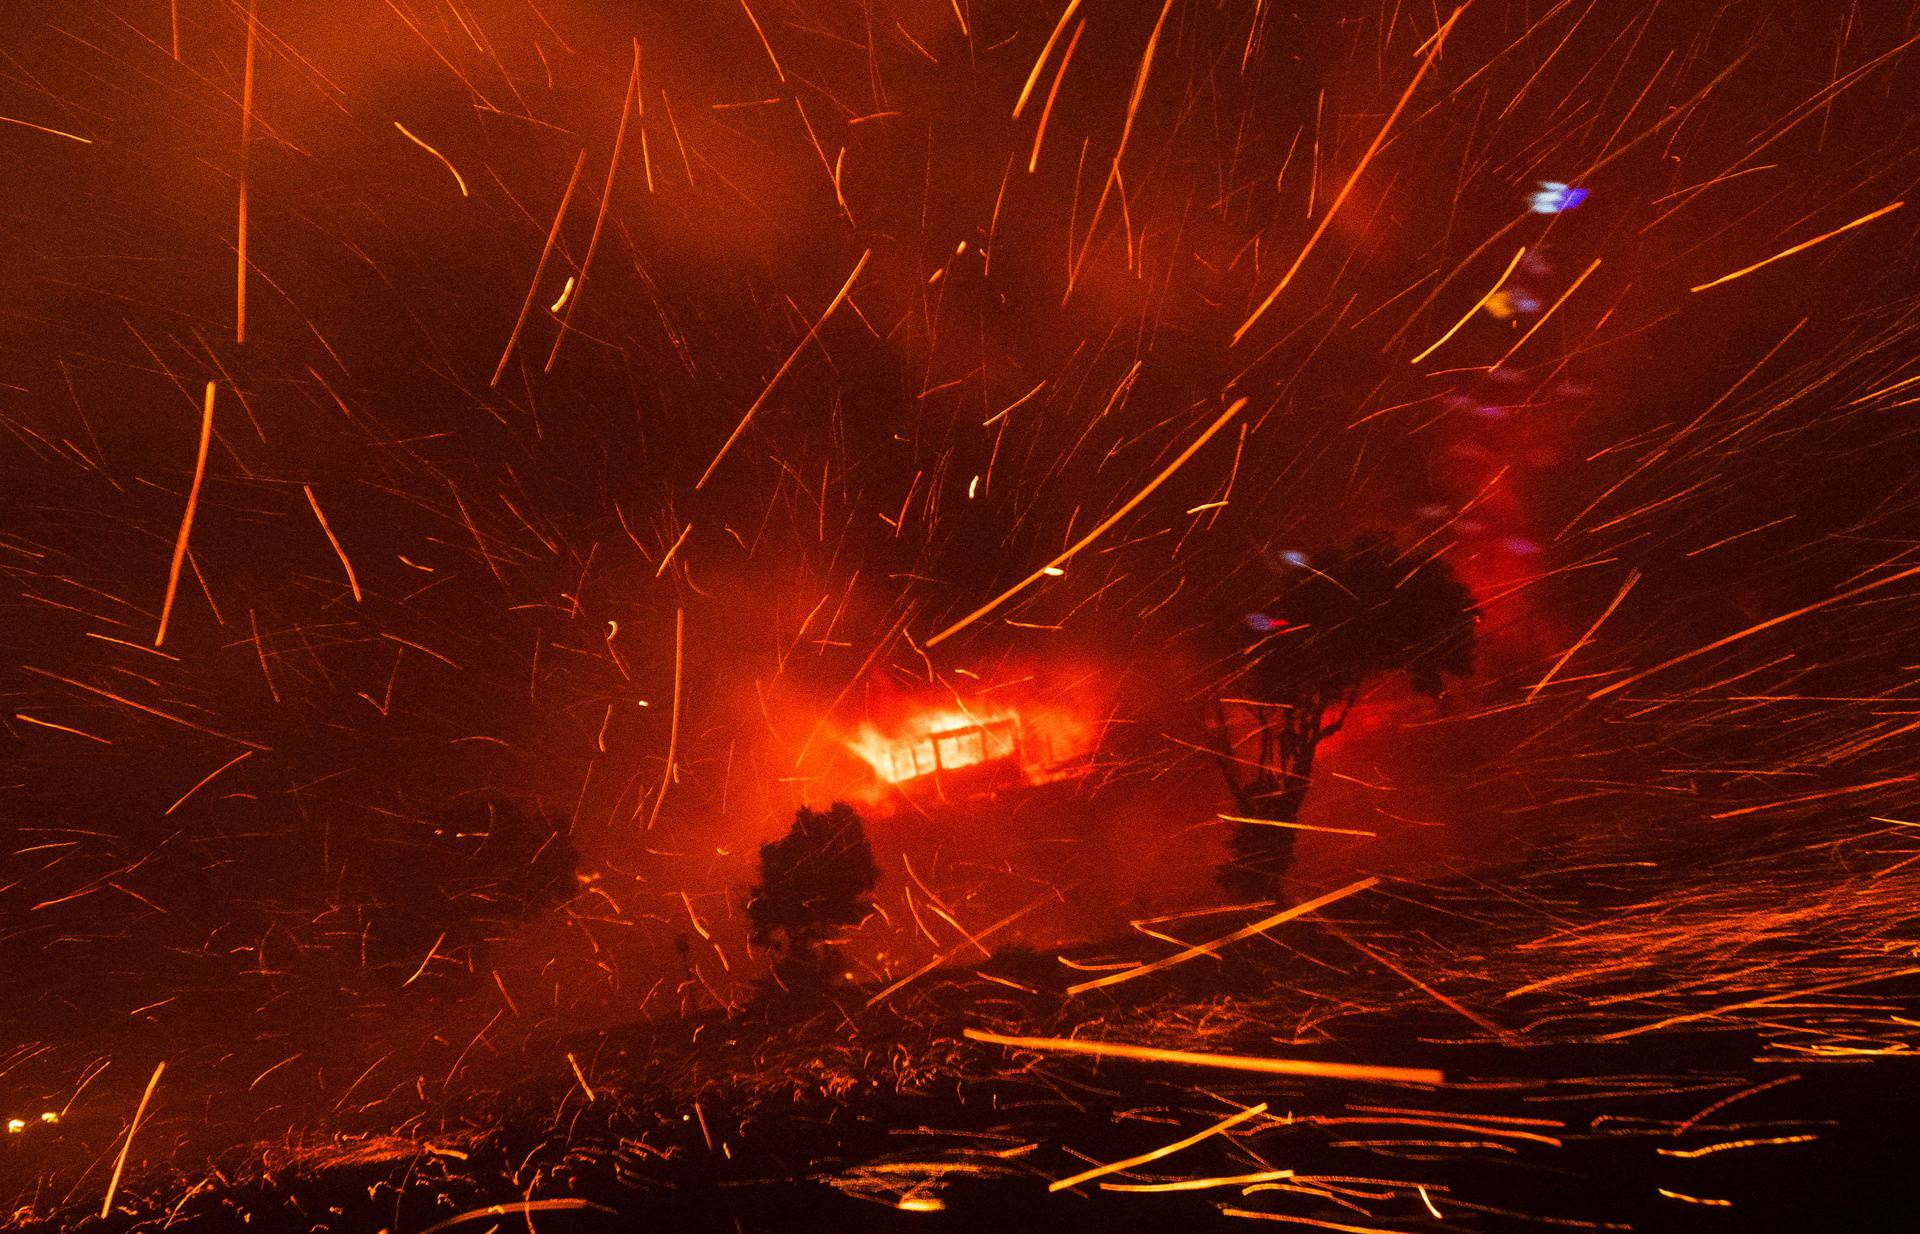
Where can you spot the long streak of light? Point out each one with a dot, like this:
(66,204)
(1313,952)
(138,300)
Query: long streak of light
(186,519)
(778,71)
(444,161)
(1477,305)
(813,330)
(1203,1184)
(1046,112)
(124,701)
(1633,576)
(206,780)
(522,1207)
(673,724)
(1274,822)
(539,269)
(246,149)
(606,199)
(1165,1150)
(1199,949)
(353,581)
(87,141)
(1436,43)
(1046,51)
(1224,1062)
(1551,310)
(1804,245)
(120,1163)
(1751,630)
(1054,565)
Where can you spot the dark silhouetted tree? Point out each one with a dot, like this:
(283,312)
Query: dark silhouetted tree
(1330,626)
(814,883)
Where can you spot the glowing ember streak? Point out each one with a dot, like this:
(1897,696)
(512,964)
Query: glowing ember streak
(1202,1184)
(1274,822)
(813,330)
(1046,51)
(120,1163)
(1803,245)
(1754,629)
(1693,1199)
(518,1206)
(246,149)
(186,520)
(1633,576)
(1165,1150)
(353,583)
(606,199)
(21,715)
(1225,1062)
(1046,112)
(1729,1145)
(1096,533)
(1477,305)
(540,268)
(580,1076)
(778,71)
(1315,1222)
(1551,310)
(673,726)
(444,162)
(207,779)
(122,699)
(1438,41)
(1258,927)
(85,141)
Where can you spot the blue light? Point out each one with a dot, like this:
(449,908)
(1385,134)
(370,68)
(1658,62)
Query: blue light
(1553,197)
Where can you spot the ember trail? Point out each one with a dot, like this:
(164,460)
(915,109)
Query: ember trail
(1010,613)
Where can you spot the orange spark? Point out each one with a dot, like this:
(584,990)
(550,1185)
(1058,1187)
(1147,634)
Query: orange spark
(186,521)
(1803,246)
(1053,567)
(352,582)
(1165,1150)
(1225,1062)
(1551,310)
(1046,51)
(457,179)
(1633,576)
(778,71)
(540,268)
(1477,306)
(1207,948)
(1274,822)
(120,1164)
(1754,629)
(1436,43)
(793,355)
(87,141)
(673,725)
(1202,1184)
(1046,112)
(606,199)
(206,779)
(21,715)
(246,147)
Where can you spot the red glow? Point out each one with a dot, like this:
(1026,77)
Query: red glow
(991,742)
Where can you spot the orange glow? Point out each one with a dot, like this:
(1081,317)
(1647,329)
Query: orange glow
(1035,746)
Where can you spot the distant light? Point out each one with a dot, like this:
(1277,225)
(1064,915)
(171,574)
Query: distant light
(16,1125)
(49,1117)
(921,1204)
(1294,557)
(1055,571)
(1520,547)
(1553,197)
(1263,623)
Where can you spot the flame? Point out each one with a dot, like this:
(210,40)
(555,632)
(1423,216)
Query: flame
(1038,745)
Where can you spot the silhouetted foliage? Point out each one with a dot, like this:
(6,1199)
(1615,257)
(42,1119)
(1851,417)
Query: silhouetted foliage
(815,881)
(1331,625)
